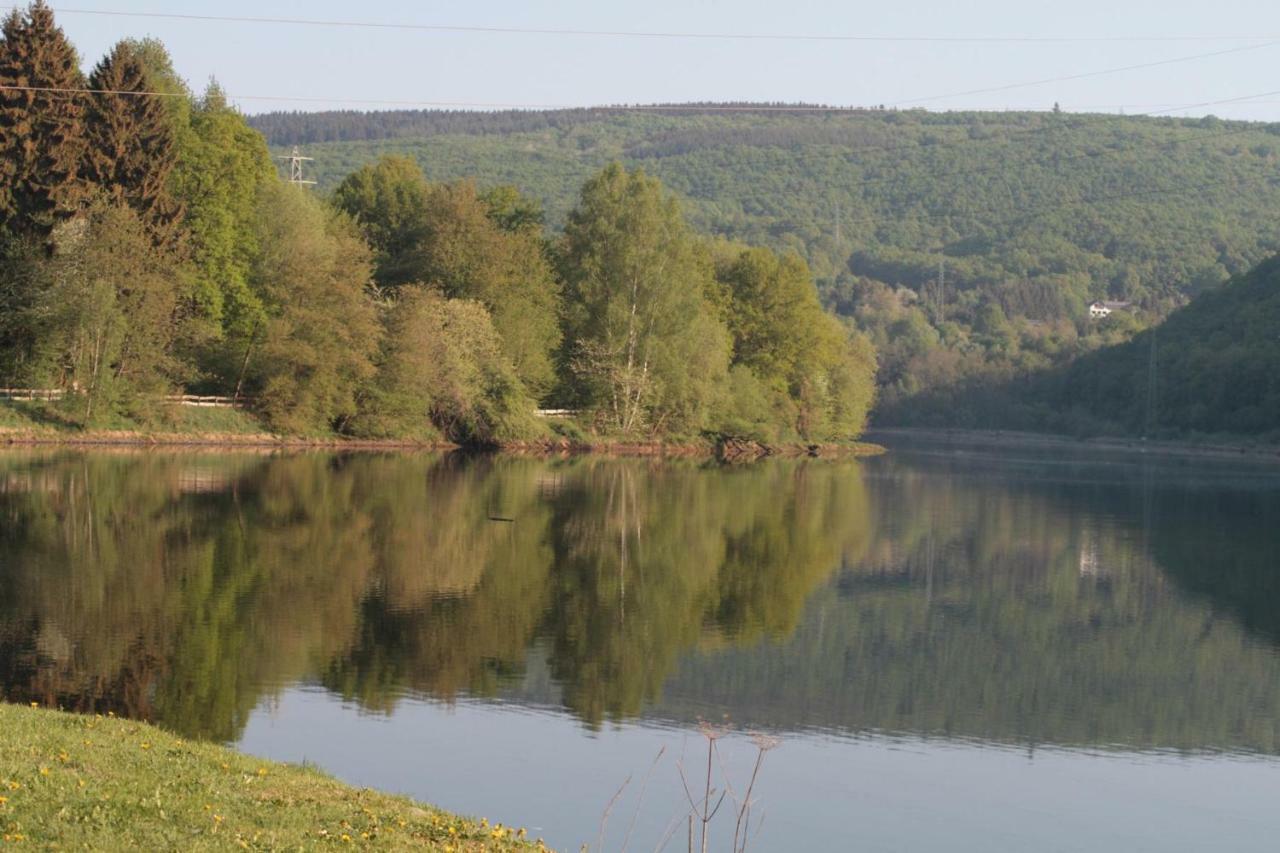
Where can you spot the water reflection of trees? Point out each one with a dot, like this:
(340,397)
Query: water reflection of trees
(182,587)
(1073,608)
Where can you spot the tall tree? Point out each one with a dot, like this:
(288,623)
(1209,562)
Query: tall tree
(110,309)
(41,123)
(468,255)
(388,199)
(224,169)
(131,141)
(321,332)
(641,339)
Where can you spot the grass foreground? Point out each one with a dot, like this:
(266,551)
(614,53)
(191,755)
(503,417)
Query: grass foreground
(73,781)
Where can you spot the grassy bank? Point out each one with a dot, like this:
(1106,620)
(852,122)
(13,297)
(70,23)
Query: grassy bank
(43,423)
(71,781)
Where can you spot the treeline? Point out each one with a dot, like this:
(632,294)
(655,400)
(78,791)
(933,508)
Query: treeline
(1211,369)
(148,244)
(967,245)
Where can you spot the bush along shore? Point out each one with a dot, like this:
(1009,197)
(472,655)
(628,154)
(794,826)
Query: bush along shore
(92,782)
(41,423)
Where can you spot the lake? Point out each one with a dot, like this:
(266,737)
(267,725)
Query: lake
(935,648)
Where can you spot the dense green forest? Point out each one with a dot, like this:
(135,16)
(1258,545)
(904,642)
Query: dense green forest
(964,244)
(148,245)
(1211,368)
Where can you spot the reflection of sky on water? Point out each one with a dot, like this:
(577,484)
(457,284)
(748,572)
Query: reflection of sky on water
(542,769)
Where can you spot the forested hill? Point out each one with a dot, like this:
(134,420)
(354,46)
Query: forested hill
(1212,368)
(1025,217)
(1139,204)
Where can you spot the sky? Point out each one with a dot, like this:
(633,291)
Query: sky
(267,66)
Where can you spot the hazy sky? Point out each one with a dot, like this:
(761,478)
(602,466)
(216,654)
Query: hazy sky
(355,68)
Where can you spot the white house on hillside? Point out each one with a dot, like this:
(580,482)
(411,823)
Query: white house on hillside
(1098,310)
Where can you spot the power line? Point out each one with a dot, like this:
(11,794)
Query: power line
(662,34)
(1086,74)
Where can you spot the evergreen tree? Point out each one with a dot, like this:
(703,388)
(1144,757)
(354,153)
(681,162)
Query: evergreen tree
(41,123)
(131,150)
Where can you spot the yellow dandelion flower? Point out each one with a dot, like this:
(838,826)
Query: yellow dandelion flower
(35,704)
(13,786)
(346,838)
(80,783)
(146,745)
(44,771)
(262,771)
(3,800)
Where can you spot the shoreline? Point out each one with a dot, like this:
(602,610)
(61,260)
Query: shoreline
(725,451)
(88,781)
(1050,441)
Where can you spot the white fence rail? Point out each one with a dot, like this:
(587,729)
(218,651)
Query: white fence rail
(54,394)
(31,393)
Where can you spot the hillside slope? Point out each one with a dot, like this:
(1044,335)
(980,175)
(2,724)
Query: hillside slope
(1004,196)
(1212,368)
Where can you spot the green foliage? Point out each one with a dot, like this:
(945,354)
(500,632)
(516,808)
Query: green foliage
(467,253)
(223,169)
(821,378)
(105,307)
(41,132)
(447,236)
(258,291)
(1210,369)
(444,368)
(644,347)
(1036,213)
(316,348)
(388,200)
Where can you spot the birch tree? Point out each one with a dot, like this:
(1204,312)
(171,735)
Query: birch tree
(643,347)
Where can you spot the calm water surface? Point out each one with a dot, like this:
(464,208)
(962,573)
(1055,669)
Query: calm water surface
(954,649)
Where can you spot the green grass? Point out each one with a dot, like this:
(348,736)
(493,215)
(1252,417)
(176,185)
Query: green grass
(71,781)
(33,419)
